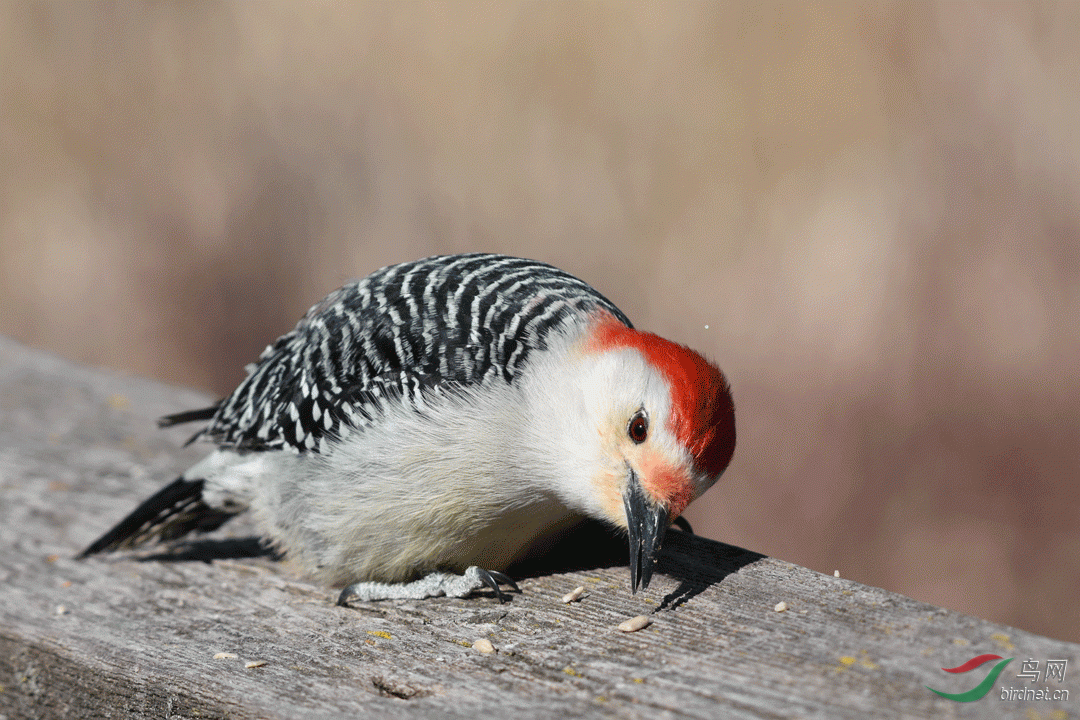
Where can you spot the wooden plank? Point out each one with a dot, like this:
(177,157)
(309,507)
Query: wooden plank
(135,636)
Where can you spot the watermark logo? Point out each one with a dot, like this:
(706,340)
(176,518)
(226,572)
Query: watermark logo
(1053,670)
(1029,670)
(982,689)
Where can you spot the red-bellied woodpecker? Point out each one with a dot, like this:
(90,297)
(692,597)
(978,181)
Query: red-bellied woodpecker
(446,416)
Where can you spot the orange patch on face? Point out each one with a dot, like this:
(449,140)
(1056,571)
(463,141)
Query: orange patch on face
(607,484)
(665,482)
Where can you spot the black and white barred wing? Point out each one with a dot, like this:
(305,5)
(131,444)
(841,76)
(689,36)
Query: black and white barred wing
(400,334)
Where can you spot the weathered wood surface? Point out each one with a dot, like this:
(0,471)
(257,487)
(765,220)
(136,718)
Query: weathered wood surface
(120,636)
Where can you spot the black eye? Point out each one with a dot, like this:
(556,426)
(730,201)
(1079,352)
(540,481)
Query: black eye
(638,430)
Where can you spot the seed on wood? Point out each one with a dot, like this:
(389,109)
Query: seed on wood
(780,606)
(483,645)
(634,624)
(574,595)
(224,656)
(254,664)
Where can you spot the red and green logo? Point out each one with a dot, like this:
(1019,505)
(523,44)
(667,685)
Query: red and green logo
(979,691)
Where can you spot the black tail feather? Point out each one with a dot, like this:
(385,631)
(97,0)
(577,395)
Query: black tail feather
(172,512)
(188,416)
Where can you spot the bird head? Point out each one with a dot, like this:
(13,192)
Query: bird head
(651,427)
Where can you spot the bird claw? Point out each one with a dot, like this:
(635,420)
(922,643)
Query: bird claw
(493,579)
(433,585)
(683,524)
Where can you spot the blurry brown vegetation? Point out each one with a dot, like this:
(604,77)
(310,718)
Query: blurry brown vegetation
(868,215)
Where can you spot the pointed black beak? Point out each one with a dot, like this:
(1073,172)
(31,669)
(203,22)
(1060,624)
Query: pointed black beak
(648,523)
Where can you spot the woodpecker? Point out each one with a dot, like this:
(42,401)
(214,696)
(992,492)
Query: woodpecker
(425,427)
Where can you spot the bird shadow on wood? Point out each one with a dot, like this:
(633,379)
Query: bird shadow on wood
(209,549)
(587,546)
(696,562)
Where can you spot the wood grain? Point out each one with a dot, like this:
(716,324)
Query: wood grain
(136,635)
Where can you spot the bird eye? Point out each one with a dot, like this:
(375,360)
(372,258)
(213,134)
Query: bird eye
(638,430)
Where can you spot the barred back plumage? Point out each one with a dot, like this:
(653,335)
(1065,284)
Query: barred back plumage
(405,331)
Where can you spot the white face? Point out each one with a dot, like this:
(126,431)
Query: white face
(611,418)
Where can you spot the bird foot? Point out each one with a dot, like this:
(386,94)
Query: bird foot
(434,585)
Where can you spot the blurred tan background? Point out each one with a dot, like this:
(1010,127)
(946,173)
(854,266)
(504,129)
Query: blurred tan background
(867,214)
